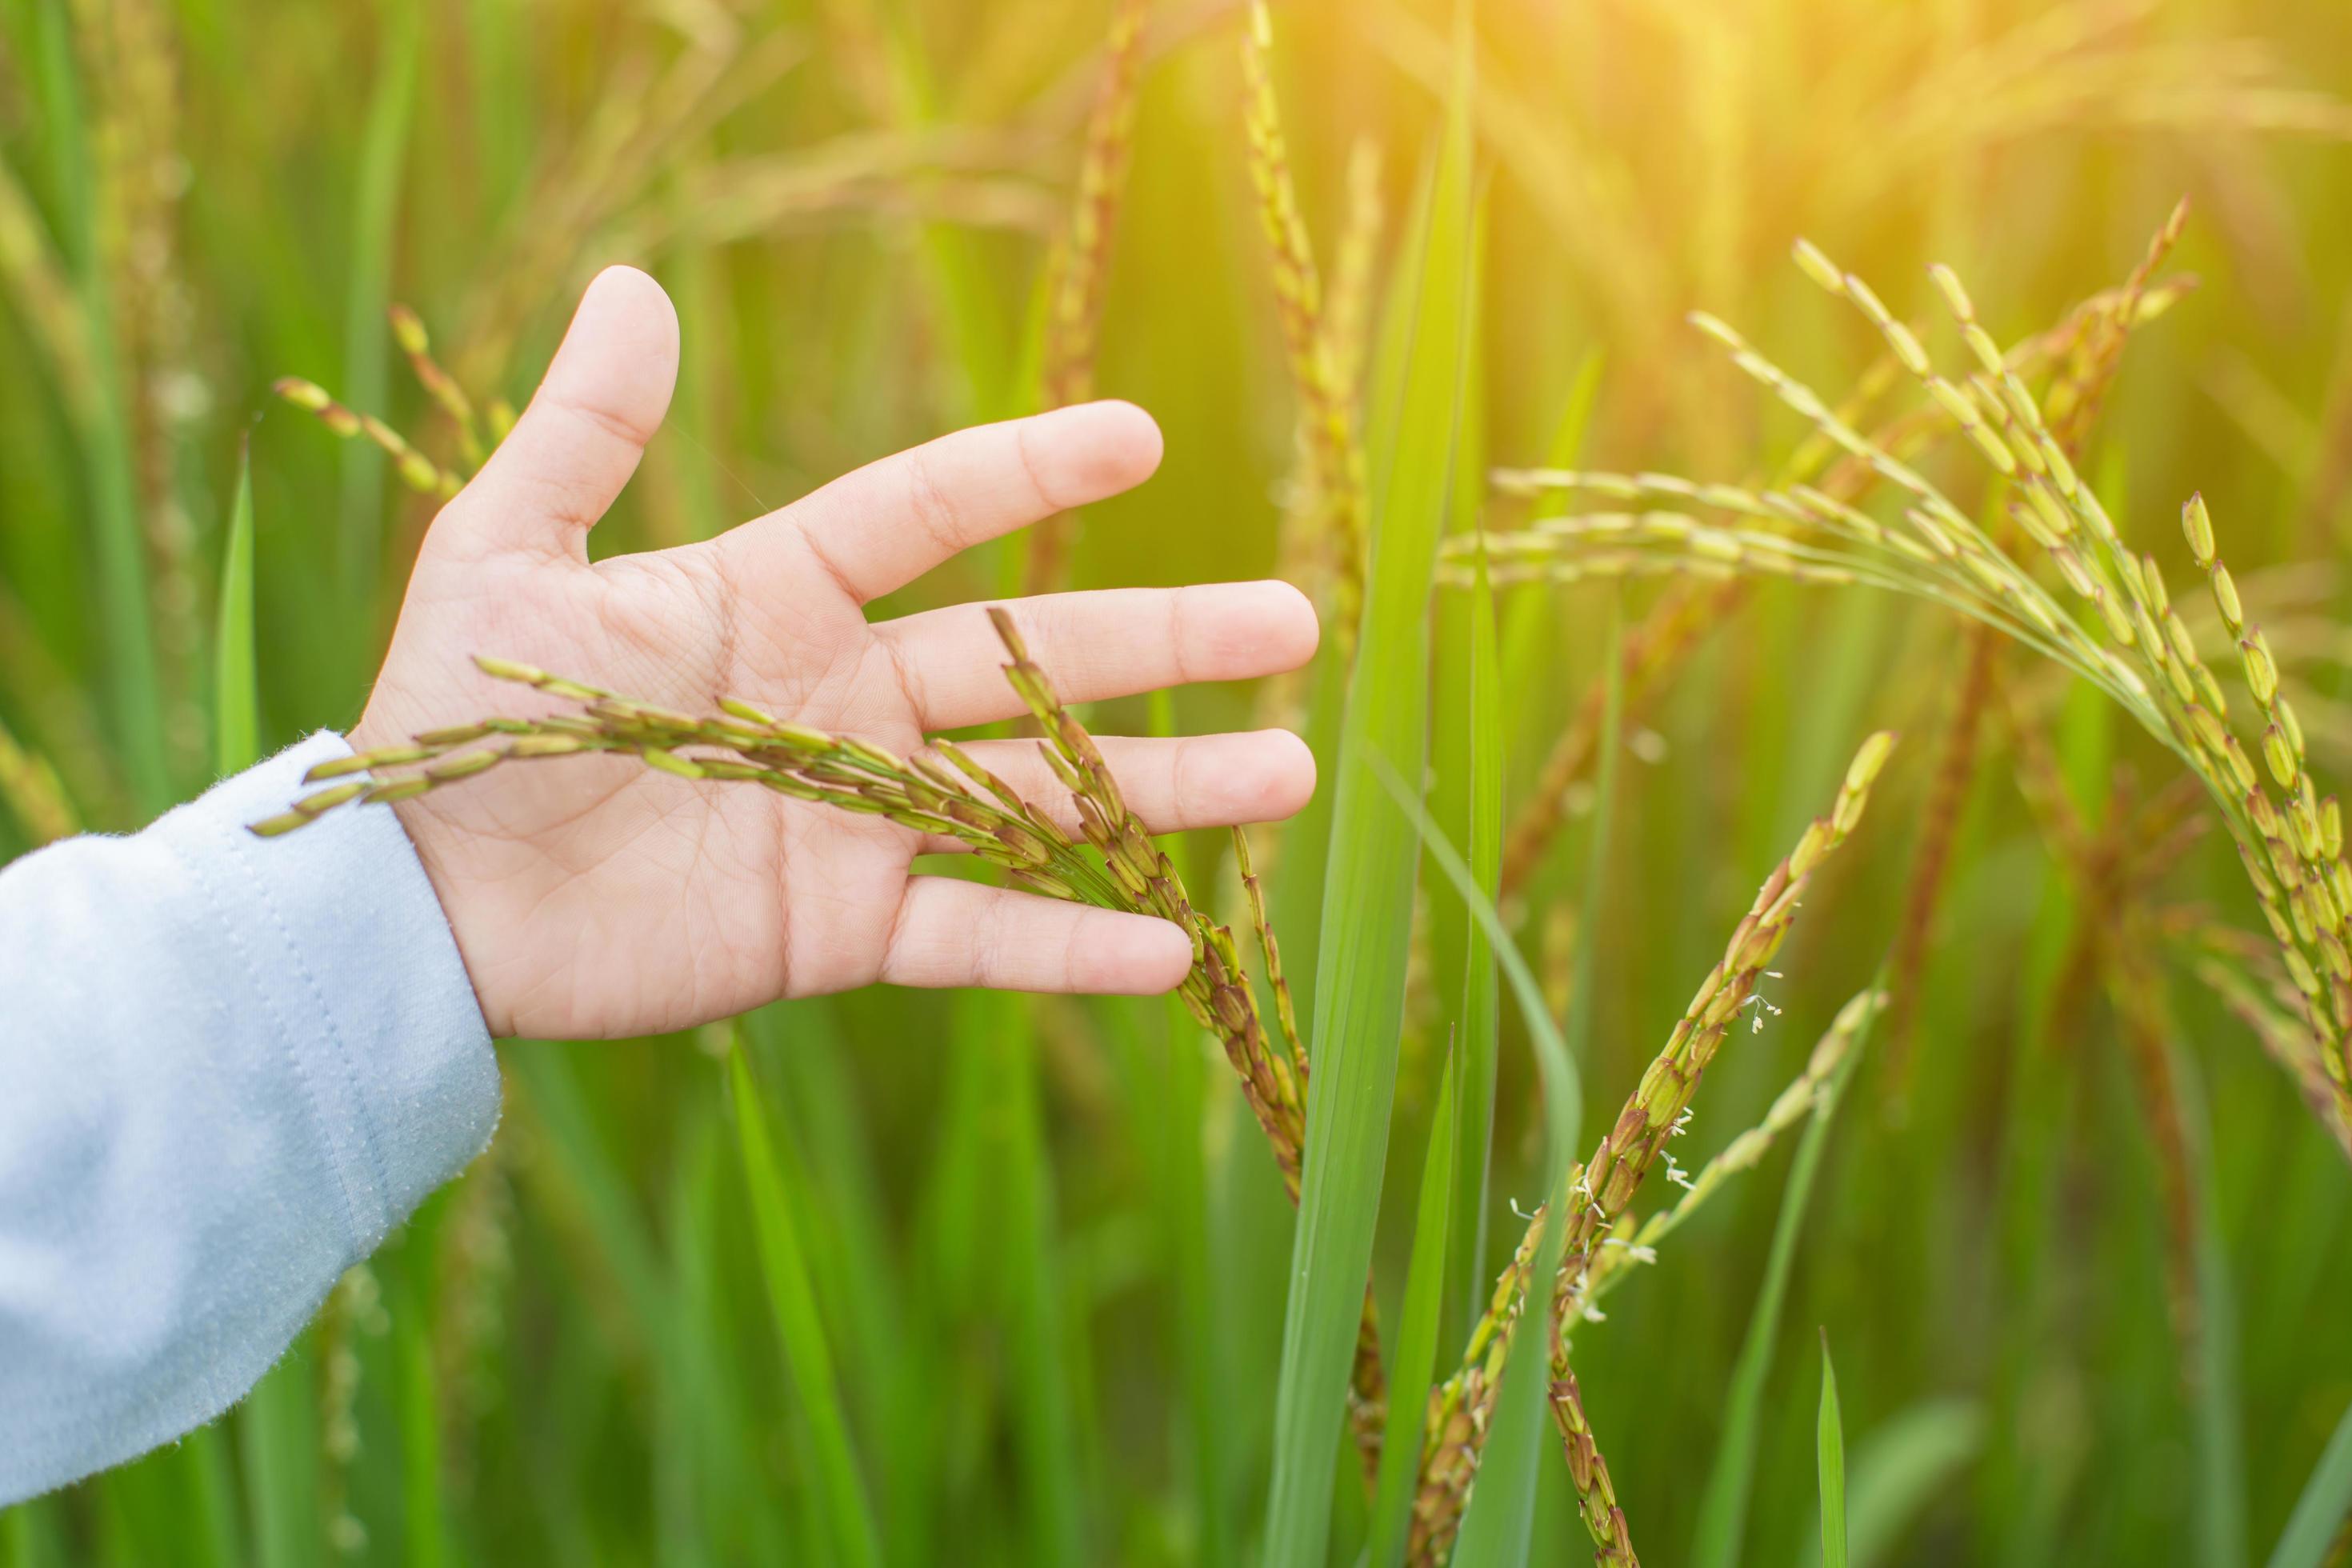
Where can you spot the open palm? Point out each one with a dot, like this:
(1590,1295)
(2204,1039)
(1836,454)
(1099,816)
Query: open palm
(593,898)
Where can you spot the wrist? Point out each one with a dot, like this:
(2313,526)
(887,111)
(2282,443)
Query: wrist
(421,824)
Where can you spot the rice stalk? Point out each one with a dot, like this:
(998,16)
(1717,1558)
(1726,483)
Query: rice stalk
(1648,656)
(139,180)
(35,796)
(1949,788)
(356,1307)
(2134,990)
(475,1271)
(45,299)
(377,181)
(2114,869)
(1355,268)
(1080,266)
(106,454)
(644,116)
(1082,260)
(969,175)
(1338,504)
(1605,1184)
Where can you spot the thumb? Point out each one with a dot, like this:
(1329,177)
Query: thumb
(577,444)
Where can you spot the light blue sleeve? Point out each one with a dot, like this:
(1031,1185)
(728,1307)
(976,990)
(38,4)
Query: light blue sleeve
(228,1066)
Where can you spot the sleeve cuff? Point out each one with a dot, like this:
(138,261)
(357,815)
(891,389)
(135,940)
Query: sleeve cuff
(355,958)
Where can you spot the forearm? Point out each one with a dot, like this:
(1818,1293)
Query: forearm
(227,1068)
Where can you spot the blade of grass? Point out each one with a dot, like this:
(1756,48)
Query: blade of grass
(236,697)
(1722,1512)
(106,450)
(1416,1334)
(2221,1437)
(1044,1419)
(802,1044)
(367,350)
(1481,1015)
(1498,1522)
(277,1440)
(425,1543)
(583,1178)
(792,1299)
(683,1526)
(2326,1501)
(1369,885)
(1176,1130)
(274,1428)
(1909,1463)
(1830,1449)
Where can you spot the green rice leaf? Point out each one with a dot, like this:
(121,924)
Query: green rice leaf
(1481,1007)
(1415,1354)
(426,1539)
(1829,1450)
(2320,1512)
(1369,886)
(1723,1512)
(236,677)
(1907,1464)
(277,1441)
(1563,1104)
(1499,1524)
(791,1299)
(367,352)
(106,453)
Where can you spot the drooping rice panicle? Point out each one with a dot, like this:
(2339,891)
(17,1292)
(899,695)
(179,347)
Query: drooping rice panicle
(1080,264)
(1602,1188)
(417,344)
(1285,1011)
(1676,623)
(2073,404)
(950,795)
(1326,403)
(1274,1089)
(1460,1408)
(1355,268)
(2127,637)
(417,472)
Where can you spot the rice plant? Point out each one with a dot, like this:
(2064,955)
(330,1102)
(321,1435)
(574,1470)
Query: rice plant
(2030,1097)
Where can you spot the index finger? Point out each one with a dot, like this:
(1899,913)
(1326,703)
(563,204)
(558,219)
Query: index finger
(888,523)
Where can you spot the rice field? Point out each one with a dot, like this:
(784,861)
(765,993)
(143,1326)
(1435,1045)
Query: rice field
(1828,523)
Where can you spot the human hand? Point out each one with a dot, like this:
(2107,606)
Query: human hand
(593,898)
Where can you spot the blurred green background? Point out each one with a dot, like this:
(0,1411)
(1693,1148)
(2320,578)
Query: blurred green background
(1046,1245)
